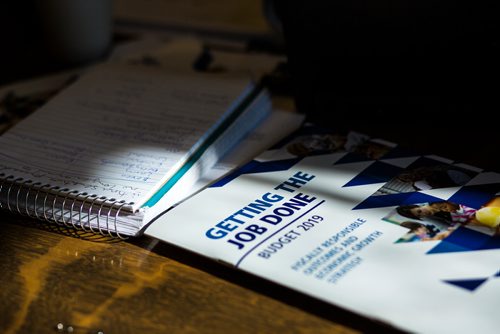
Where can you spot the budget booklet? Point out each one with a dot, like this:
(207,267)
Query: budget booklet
(122,144)
(406,239)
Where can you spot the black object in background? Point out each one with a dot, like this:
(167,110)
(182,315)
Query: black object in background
(22,55)
(364,56)
(401,70)
(40,37)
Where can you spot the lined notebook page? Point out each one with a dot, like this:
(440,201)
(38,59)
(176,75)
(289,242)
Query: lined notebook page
(120,131)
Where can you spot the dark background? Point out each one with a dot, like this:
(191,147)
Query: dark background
(23,54)
(420,73)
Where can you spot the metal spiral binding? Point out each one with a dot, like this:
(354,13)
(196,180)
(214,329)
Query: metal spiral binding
(62,206)
(4,179)
(8,191)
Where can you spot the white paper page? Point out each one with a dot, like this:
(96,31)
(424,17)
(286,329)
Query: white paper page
(275,127)
(119,132)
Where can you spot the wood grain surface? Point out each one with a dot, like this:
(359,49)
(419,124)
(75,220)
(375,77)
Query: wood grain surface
(55,277)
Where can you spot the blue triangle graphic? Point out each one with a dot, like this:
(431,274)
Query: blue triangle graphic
(466,240)
(497,274)
(257,167)
(476,195)
(352,157)
(381,201)
(375,173)
(425,162)
(467,284)
(448,247)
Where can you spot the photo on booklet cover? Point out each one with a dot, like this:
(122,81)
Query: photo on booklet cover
(312,140)
(426,174)
(437,220)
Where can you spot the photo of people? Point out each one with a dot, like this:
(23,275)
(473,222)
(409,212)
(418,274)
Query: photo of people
(428,228)
(426,174)
(314,144)
(317,144)
(437,220)
(423,232)
(487,217)
(438,176)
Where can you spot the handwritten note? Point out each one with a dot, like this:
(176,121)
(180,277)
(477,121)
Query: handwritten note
(120,131)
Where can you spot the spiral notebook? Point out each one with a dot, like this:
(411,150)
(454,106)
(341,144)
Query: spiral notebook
(102,155)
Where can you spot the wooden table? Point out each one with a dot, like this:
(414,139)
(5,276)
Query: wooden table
(56,278)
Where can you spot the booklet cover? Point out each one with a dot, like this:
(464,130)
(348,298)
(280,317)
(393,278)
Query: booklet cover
(406,239)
